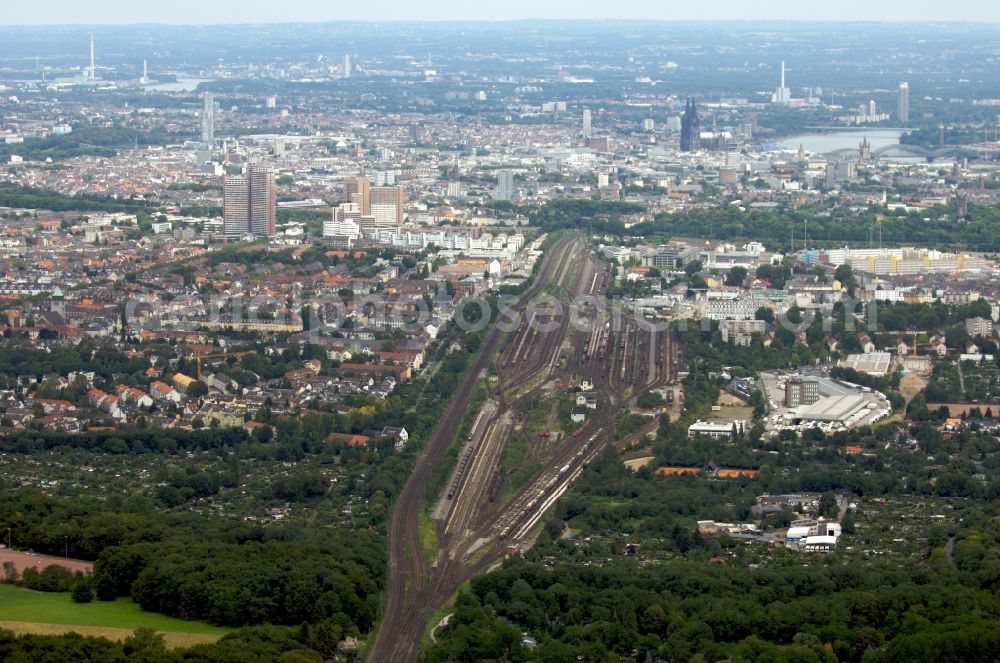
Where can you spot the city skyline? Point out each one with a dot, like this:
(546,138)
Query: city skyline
(317,332)
(190,13)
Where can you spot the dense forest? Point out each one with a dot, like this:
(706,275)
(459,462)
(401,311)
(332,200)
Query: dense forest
(13,195)
(259,644)
(681,610)
(90,141)
(248,574)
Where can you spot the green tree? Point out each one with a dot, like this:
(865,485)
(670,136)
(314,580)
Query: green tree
(736,276)
(828,507)
(83,591)
(765,314)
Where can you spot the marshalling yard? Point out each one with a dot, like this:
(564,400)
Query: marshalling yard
(562,338)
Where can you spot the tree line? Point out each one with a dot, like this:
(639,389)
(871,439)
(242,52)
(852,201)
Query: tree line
(980,231)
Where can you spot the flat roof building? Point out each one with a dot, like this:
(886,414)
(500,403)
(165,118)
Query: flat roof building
(717,429)
(872,363)
(671,256)
(358,190)
(249,203)
(387,206)
(801,391)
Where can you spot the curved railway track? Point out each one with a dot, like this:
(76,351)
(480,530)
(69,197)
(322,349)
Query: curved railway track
(475,526)
(413,590)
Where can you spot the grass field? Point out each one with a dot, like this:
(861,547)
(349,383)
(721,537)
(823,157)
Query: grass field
(26,611)
(427,530)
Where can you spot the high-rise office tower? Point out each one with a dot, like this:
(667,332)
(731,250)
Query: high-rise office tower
(505,185)
(690,128)
(359,190)
(385,178)
(249,203)
(387,206)
(346,67)
(903,112)
(208,120)
(587,129)
(262,201)
(236,205)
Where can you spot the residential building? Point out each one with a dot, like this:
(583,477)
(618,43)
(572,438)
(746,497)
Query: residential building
(505,185)
(164,392)
(979,327)
(398,434)
(740,331)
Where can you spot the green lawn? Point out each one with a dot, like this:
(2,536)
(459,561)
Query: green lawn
(23,605)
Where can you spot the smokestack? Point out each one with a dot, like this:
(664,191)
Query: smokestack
(782,74)
(145,73)
(93,71)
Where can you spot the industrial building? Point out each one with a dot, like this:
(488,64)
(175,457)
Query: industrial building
(802,402)
(873,363)
(717,429)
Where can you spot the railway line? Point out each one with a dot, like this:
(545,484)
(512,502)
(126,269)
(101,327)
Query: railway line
(472,442)
(411,585)
(474,524)
(476,489)
(544,330)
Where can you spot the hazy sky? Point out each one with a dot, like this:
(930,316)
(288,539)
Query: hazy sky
(261,11)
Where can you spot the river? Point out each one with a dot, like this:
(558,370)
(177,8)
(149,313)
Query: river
(839,140)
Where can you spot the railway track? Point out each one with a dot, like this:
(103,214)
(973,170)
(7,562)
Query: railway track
(411,585)
(475,526)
